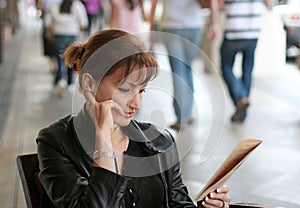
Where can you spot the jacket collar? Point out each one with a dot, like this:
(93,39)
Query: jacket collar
(145,134)
(84,129)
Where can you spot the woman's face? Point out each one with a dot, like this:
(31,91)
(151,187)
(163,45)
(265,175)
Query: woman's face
(127,94)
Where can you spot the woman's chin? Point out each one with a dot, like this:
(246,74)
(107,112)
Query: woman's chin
(123,122)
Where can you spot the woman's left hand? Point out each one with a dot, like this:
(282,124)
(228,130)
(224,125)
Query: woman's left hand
(217,199)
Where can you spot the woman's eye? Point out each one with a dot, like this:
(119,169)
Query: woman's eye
(128,90)
(123,89)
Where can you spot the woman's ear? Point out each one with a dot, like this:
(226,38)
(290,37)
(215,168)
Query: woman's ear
(88,83)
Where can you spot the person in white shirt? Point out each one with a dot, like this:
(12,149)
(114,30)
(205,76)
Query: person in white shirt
(183,20)
(64,22)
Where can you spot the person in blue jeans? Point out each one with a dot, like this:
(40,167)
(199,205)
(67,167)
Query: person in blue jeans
(181,56)
(61,43)
(182,22)
(64,22)
(242,31)
(239,89)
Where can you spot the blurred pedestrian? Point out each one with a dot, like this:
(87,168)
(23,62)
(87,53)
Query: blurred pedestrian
(95,12)
(128,15)
(48,42)
(184,19)
(242,30)
(64,22)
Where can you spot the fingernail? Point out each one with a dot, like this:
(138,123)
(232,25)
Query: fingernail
(211,195)
(218,190)
(206,198)
(203,203)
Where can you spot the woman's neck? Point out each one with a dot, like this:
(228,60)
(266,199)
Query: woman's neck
(119,140)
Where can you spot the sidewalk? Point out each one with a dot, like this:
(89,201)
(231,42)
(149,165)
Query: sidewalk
(269,176)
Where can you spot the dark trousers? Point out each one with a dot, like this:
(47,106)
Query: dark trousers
(239,88)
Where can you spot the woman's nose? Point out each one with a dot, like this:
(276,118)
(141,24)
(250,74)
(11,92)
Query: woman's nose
(135,102)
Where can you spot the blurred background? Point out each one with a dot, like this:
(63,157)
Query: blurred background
(28,103)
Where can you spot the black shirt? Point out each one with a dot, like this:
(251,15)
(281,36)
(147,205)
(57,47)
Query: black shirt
(145,191)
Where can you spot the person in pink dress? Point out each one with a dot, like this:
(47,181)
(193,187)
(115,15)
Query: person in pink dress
(127,15)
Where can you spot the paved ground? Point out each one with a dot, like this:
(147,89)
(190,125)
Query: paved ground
(268,176)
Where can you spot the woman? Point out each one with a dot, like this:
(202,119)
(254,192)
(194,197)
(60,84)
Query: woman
(128,15)
(102,157)
(183,21)
(64,22)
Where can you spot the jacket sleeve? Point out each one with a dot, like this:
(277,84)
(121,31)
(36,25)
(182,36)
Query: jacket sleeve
(177,191)
(67,187)
(179,196)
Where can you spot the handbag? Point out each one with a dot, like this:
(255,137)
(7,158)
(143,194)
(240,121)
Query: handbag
(204,3)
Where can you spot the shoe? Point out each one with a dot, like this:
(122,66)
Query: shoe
(177,126)
(61,87)
(190,120)
(240,113)
(71,88)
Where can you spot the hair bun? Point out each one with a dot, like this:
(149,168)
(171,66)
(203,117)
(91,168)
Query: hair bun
(76,65)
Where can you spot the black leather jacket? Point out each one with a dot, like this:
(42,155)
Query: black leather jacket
(70,180)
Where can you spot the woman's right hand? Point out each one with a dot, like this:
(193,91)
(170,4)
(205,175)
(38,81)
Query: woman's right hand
(102,115)
(101,112)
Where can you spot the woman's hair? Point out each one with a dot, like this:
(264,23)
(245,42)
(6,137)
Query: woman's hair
(109,51)
(65,6)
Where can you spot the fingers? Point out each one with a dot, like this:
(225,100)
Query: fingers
(117,108)
(90,98)
(222,193)
(91,102)
(102,111)
(212,202)
(219,198)
(223,189)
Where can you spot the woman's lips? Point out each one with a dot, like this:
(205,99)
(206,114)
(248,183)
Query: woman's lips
(129,114)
